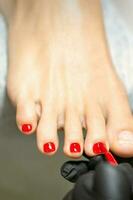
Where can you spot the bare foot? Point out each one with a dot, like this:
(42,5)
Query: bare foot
(60,75)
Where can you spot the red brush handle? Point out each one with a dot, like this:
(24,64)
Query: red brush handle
(110,158)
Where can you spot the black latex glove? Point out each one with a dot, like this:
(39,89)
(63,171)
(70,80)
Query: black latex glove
(97,180)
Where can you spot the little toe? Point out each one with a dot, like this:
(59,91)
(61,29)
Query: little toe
(47,139)
(26,116)
(96,130)
(73,146)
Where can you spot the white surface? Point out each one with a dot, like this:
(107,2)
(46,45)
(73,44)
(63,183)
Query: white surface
(120,41)
(3,61)
(125,9)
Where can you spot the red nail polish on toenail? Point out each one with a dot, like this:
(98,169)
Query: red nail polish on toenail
(99,148)
(26,128)
(49,147)
(75,148)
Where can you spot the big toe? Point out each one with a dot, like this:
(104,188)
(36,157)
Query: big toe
(120,131)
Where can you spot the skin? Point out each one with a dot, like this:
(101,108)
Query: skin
(61,75)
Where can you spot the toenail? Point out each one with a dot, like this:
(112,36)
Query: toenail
(75,148)
(26,128)
(125,137)
(49,147)
(99,148)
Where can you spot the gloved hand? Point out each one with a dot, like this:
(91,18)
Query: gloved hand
(97,180)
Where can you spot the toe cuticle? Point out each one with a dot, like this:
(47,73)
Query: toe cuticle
(75,148)
(49,147)
(26,128)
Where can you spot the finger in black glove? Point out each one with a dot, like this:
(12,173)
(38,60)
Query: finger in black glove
(104,182)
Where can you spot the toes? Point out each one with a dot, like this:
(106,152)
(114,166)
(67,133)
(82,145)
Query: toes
(26,116)
(73,146)
(47,139)
(96,131)
(120,131)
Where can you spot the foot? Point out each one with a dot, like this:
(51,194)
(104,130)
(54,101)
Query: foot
(56,80)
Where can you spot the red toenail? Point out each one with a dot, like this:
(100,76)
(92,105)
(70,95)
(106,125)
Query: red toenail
(49,147)
(75,148)
(99,148)
(26,128)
